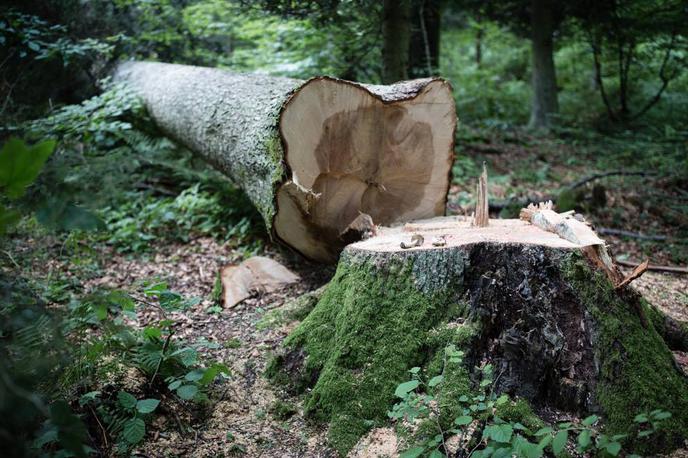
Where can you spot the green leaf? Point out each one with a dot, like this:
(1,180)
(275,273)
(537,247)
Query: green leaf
(147,405)
(88,397)
(187,391)
(152,332)
(436,454)
(8,218)
(591,420)
(543,431)
(435,381)
(613,448)
(499,433)
(523,448)
(212,372)
(405,388)
(662,415)
(584,439)
(463,420)
(641,418)
(174,385)
(126,400)
(194,375)
(21,164)
(71,431)
(559,442)
(134,430)
(414,452)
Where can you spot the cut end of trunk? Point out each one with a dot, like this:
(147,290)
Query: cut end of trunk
(453,231)
(382,151)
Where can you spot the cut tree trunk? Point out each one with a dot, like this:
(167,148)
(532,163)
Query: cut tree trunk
(312,156)
(545,102)
(535,305)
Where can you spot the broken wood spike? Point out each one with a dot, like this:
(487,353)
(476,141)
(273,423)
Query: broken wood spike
(637,272)
(482,206)
(416,240)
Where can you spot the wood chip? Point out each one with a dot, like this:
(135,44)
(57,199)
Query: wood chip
(416,240)
(256,274)
(637,272)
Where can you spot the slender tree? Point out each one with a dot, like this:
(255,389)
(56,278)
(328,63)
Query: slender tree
(628,37)
(539,21)
(424,51)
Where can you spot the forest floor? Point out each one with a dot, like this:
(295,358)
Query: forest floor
(246,415)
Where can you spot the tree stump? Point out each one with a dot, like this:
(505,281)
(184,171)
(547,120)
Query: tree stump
(556,329)
(313,156)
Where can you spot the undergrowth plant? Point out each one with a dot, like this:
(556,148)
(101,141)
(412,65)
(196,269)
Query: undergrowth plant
(480,432)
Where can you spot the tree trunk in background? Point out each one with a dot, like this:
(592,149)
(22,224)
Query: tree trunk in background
(396,35)
(322,160)
(479,45)
(544,103)
(424,50)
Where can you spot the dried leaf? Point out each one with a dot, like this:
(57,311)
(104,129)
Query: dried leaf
(256,274)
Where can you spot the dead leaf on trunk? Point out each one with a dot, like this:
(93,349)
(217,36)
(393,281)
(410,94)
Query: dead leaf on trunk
(255,275)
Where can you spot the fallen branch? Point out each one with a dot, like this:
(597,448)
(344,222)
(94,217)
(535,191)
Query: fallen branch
(654,267)
(521,203)
(597,176)
(635,235)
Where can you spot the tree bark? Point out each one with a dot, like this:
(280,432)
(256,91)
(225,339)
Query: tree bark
(313,156)
(424,51)
(544,80)
(556,330)
(396,35)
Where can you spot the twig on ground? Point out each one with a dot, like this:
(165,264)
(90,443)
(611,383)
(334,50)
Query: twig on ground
(597,176)
(9,255)
(635,235)
(162,356)
(654,267)
(102,429)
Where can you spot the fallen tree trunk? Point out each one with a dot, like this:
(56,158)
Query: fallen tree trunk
(541,309)
(312,156)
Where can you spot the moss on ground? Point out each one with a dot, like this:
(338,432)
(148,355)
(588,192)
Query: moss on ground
(294,310)
(637,370)
(520,411)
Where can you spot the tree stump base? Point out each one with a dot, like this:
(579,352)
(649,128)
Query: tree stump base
(549,320)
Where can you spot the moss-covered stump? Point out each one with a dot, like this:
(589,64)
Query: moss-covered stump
(553,326)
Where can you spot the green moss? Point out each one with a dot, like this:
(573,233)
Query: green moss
(216,293)
(283,410)
(266,206)
(519,411)
(295,310)
(637,371)
(369,328)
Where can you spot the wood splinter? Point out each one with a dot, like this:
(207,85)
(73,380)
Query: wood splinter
(482,206)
